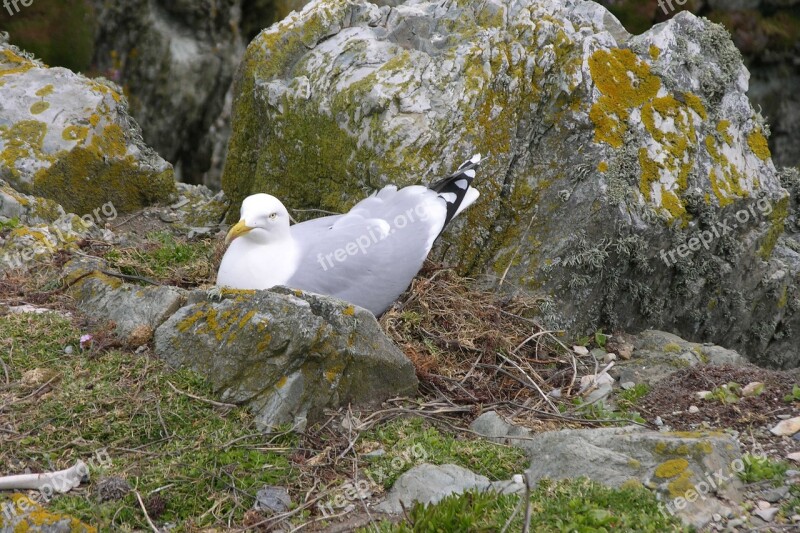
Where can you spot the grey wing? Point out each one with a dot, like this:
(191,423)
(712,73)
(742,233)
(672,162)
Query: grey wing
(370,255)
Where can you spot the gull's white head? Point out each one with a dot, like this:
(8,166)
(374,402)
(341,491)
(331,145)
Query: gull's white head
(264,219)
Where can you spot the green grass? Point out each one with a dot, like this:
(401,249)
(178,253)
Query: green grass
(412,441)
(201,458)
(762,469)
(168,258)
(575,505)
(634,394)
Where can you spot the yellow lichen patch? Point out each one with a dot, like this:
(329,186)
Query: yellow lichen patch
(39,107)
(22,64)
(672,347)
(37,518)
(22,140)
(190,321)
(625,83)
(758,144)
(602,166)
(332,373)
(94,119)
(649,174)
(112,142)
(722,130)
(671,468)
(671,202)
(246,318)
(349,310)
(655,51)
(725,178)
(45,91)
(75,133)
(281,382)
(681,485)
(694,102)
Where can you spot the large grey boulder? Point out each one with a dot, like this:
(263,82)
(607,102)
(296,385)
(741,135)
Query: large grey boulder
(639,145)
(694,474)
(286,354)
(69,138)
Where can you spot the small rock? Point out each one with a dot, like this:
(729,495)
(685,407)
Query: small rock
(791,472)
(787,427)
(628,385)
(794,456)
(555,393)
(607,358)
(598,353)
(767,515)
(775,495)
(68,350)
(716,517)
(754,388)
(784,417)
(763,504)
(796,518)
(703,394)
(736,522)
(694,409)
(658,421)
(272,499)
(580,350)
(375,453)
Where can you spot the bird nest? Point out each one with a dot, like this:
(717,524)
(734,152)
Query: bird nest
(473,346)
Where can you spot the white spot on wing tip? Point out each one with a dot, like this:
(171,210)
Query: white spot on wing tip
(470,173)
(475,158)
(462,183)
(449,197)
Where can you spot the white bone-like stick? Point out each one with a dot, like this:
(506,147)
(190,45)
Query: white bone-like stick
(61,481)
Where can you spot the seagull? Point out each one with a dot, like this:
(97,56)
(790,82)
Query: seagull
(367,256)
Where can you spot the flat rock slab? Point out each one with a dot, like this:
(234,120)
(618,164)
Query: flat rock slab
(135,310)
(285,353)
(429,484)
(694,473)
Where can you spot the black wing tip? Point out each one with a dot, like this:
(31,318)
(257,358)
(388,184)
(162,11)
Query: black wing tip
(451,190)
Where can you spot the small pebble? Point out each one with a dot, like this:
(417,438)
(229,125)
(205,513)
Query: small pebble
(658,421)
(607,358)
(68,350)
(767,515)
(716,517)
(694,409)
(763,504)
(627,385)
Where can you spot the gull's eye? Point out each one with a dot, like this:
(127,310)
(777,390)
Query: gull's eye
(273,216)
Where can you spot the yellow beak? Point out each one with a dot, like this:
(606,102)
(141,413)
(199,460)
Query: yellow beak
(239,229)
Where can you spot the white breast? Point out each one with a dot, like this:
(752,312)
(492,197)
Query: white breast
(248,265)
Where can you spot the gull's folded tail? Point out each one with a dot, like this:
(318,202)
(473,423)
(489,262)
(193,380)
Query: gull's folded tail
(455,189)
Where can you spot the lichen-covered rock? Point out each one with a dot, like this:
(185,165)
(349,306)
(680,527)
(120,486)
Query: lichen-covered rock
(694,474)
(639,146)
(286,354)
(29,243)
(69,138)
(20,513)
(135,311)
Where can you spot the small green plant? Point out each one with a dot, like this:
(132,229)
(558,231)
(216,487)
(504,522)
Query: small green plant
(726,394)
(599,411)
(634,394)
(794,396)
(600,338)
(757,468)
(9,224)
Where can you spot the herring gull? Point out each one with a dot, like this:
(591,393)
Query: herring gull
(367,256)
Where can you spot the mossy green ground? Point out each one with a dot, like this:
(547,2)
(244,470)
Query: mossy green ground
(579,505)
(206,463)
